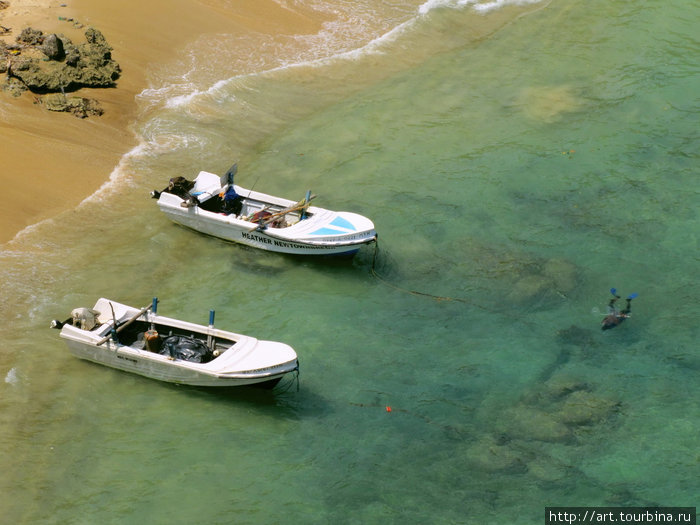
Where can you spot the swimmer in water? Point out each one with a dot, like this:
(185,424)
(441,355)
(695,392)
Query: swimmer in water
(615,316)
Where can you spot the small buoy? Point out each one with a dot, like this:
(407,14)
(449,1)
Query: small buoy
(388,409)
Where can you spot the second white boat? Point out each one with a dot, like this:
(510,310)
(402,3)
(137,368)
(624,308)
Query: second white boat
(151,345)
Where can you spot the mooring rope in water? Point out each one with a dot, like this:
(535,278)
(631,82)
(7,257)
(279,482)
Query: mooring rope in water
(289,384)
(438,298)
(373,271)
(455,430)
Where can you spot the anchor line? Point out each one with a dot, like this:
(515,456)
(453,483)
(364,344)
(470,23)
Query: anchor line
(438,298)
(457,431)
(290,384)
(373,271)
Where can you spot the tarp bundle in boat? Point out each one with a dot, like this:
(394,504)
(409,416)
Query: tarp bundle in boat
(186,348)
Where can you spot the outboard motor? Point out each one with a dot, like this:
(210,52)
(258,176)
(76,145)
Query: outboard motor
(55,323)
(85,318)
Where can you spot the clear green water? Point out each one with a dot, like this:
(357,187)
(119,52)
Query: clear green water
(516,167)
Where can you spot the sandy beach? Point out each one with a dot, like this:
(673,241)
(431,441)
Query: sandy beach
(52,161)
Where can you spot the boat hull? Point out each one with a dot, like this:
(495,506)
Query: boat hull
(145,364)
(240,360)
(259,238)
(317,232)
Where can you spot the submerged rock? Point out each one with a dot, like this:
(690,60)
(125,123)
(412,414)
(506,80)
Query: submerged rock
(530,423)
(554,411)
(491,455)
(553,391)
(561,387)
(577,336)
(584,408)
(547,469)
(543,282)
(529,288)
(549,103)
(562,273)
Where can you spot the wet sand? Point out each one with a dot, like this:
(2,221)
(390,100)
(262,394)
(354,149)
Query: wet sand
(52,161)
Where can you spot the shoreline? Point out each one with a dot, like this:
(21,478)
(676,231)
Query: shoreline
(53,161)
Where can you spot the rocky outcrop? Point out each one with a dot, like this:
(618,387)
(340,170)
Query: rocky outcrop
(79,106)
(54,64)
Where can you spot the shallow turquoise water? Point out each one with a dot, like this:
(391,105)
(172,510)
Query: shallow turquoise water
(516,168)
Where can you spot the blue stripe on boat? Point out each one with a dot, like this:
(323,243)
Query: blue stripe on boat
(327,231)
(340,222)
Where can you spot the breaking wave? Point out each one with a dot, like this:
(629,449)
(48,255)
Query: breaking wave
(352,34)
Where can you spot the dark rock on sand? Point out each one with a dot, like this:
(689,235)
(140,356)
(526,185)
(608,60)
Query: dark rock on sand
(14,87)
(30,37)
(54,64)
(53,48)
(68,67)
(78,106)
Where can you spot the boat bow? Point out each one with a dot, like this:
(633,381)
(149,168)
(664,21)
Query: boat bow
(324,227)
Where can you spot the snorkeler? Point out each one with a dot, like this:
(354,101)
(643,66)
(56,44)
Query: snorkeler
(615,316)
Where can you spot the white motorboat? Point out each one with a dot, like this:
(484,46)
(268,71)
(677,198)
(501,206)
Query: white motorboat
(214,205)
(148,344)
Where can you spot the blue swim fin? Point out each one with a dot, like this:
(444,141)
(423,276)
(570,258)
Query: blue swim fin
(613,291)
(632,296)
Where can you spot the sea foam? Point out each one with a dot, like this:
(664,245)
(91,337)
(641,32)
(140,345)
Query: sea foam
(350,36)
(481,7)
